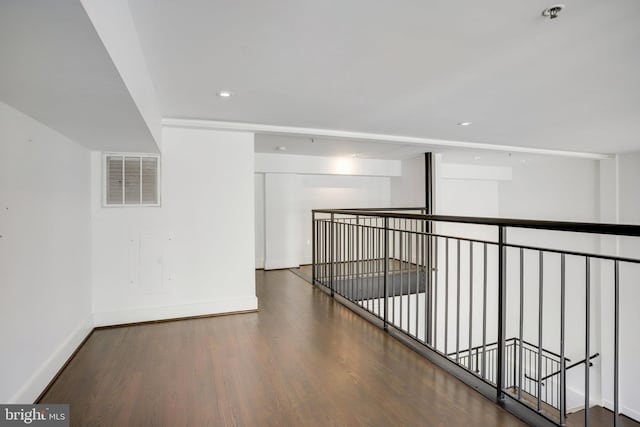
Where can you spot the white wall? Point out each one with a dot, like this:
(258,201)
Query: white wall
(316,165)
(295,185)
(333,192)
(620,203)
(45,307)
(193,255)
(283,218)
(408,189)
(471,193)
(289,200)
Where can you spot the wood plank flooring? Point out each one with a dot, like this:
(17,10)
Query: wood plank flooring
(302,360)
(598,416)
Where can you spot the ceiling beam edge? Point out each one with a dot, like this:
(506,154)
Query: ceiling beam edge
(301,131)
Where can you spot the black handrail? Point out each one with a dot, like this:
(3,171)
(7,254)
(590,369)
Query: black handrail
(478,347)
(578,227)
(507,245)
(566,369)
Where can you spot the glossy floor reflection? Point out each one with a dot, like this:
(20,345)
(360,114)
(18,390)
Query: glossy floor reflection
(302,360)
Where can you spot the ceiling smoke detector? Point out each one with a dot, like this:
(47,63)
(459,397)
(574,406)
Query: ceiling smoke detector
(553,11)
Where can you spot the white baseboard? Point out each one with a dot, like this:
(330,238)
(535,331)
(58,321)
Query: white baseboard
(145,314)
(45,373)
(275,264)
(631,413)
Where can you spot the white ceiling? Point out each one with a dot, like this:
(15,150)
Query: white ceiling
(54,68)
(414,68)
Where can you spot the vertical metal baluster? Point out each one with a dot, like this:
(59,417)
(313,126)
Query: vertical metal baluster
(386,271)
(363,262)
(470,300)
(410,259)
(418,258)
(365,265)
(563,373)
(530,355)
(341,257)
(331,250)
(370,267)
(336,255)
(401,250)
(327,251)
(376,267)
(357,262)
(343,283)
(345,258)
(435,291)
(314,261)
(338,268)
(428,290)
(521,329)
(502,281)
(540,307)
(381,269)
(587,339)
(375,300)
(339,263)
(457,300)
(515,364)
(323,250)
(393,275)
(616,344)
(354,257)
(484,312)
(446,297)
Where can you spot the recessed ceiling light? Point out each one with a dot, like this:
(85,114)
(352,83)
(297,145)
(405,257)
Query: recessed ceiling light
(553,11)
(224,94)
(464,124)
(281,148)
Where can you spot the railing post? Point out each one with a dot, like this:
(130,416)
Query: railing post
(386,271)
(502,255)
(587,340)
(313,248)
(616,344)
(331,253)
(563,373)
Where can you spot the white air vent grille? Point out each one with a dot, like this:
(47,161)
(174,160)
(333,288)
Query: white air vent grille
(131,180)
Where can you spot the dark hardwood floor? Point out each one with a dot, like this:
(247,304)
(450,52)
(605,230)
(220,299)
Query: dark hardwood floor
(599,416)
(302,360)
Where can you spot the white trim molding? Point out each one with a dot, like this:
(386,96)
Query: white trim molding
(145,314)
(363,136)
(38,382)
